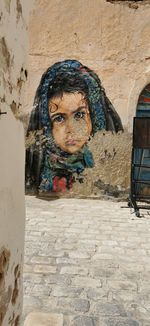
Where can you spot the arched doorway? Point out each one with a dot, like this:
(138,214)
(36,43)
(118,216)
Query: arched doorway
(141,149)
(140,165)
(143,106)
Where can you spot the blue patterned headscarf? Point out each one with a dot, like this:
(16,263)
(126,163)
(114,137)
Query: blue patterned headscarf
(46,164)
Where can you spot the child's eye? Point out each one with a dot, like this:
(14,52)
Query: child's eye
(79,115)
(58,119)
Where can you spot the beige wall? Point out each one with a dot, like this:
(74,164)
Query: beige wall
(111,38)
(13,55)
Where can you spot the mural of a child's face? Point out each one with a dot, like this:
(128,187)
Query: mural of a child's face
(71,122)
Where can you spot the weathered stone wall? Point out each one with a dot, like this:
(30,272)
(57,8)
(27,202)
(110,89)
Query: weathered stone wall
(13,54)
(110,175)
(110,37)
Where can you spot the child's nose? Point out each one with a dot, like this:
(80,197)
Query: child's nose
(70,125)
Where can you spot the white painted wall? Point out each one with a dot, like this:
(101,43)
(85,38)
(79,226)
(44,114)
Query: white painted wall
(13,56)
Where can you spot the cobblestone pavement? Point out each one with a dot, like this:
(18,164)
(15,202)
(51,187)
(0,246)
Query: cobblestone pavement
(88,262)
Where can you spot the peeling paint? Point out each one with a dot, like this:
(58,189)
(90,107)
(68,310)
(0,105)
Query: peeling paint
(11,319)
(16,287)
(110,175)
(14,18)
(15,109)
(19,83)
(14,321)
(17,320)
(133,4)
(26,73)
(5,293)
(10,87)
(4,260)
(4,55)
(5,299)
(15,292)
(109,190)
(3,99)
(18,9)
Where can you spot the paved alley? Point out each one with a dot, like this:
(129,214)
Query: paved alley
(87,263)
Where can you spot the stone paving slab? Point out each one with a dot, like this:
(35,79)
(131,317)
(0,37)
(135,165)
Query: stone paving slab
(43,319)
(87,262)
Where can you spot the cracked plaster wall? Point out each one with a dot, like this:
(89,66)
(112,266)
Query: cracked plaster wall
(14,16)
(111,37)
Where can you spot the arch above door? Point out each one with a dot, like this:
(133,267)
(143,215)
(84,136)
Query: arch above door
(143,106)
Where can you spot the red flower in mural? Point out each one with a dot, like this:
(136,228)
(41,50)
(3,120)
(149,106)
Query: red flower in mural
(59,184)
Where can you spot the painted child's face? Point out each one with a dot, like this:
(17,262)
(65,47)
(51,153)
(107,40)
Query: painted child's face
(71,122)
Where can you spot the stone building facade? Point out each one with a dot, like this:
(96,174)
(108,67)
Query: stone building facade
(112,38)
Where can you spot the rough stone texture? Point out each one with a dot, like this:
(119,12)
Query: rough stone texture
(104,36)
(41,319)
(110,175)
(107,283)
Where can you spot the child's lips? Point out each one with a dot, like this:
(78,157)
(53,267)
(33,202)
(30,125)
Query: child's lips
(71,142)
